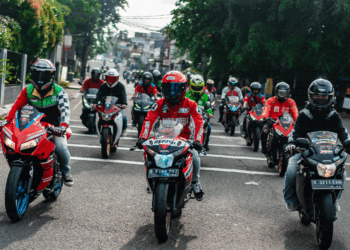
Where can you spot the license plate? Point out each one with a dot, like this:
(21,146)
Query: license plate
(156,173)
(327,184)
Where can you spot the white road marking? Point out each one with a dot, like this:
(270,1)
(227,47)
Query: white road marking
(77,105)
(123,138)
(75,126)
(72,120)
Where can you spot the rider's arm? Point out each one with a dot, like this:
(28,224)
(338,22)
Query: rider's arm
(85,86)
(293,109)
(239,92)
(245,101)
(196,114)
(99,93)
(22,100)
(263,100)
(63,106)
(338,127)
(123,94)
(267,109)
(224,93)
(301,128)
(151,118)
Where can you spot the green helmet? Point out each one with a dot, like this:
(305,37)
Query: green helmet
(197,84)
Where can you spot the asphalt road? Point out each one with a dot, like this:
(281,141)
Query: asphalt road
(108,207)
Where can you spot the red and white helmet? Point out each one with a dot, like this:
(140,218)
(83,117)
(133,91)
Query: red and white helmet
(112,77)
(174,87)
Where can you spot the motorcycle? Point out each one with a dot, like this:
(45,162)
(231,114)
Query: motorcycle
(254,126)
(128,79)
(169,171)
(232,112)
(212,101)
(89,117)
(319,181)
(205,117)
(109,124)
(28,146)
(277,142)
(142,104)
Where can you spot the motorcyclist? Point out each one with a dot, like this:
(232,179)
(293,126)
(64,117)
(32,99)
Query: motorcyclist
(112,87)
(157,79)
(210,88)
(94,82)
(231,89)
(250,101)
(318,115)
(174,105)
(197,94)
(50,99)
(274,108)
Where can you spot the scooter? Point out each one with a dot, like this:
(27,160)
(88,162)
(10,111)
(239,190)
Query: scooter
(231,115)
(109,124)
(320,181)
(28,146)
(88,118)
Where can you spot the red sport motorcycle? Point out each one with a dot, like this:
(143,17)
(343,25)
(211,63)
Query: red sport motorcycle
(169,170)
(232,111)
(277,142)
(28,146)
(253,126)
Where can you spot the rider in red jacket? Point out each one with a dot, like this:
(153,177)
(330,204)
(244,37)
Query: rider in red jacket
(210,88)
(274,108)
(174,105)
(94,82)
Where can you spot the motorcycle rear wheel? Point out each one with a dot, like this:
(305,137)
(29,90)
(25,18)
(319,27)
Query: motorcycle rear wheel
(256,139)
(324,225)
(162,215)
(233,125)
(106,143)
(16,198)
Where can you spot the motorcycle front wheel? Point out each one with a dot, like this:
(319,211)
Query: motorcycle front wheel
(140,124)
(105,143)
(233,125)
(16,197)
(162,214)
(324,223)
(283,163)
(256,139)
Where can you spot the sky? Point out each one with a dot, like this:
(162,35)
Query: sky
(159,10)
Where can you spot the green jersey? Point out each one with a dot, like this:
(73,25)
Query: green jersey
(201,101)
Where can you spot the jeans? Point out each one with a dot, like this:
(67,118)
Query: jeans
(125,121)
(290,194)
(196,164)
(62,152)
(209,132)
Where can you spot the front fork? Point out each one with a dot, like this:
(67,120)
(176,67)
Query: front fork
(31,176)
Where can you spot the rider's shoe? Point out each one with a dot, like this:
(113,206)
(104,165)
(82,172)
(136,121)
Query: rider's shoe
(148,190)
(337,207)
(197,190)
(243,134)
(264,150)
(206,147)
(67,179)
(292,207)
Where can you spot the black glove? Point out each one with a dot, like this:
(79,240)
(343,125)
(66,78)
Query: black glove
(60,131)
(197,146)
(140,142)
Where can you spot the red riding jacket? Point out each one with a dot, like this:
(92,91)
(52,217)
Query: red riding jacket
(183,113)
(207,91)
(274,109)
(90,84)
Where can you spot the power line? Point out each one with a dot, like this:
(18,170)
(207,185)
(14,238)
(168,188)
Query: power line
(149,16)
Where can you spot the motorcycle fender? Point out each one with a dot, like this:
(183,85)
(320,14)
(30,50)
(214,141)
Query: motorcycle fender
(153,199)
(119,123)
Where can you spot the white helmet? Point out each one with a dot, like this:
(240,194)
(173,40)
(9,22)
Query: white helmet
(112,77)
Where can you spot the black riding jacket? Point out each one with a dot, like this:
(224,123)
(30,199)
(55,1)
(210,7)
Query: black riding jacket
(311,120)
(117,90)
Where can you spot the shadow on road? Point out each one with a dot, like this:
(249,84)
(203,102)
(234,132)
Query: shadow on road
(34,219)
(145,238)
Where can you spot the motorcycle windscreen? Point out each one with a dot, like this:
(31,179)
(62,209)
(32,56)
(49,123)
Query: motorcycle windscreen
(91,93)
(168,128)
(258,109)
(233,99)
(26,116)
(286,119)
(143,99)
(109,101)
(211,97)
(325,143)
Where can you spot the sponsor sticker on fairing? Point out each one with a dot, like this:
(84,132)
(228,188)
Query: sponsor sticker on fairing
(154,107)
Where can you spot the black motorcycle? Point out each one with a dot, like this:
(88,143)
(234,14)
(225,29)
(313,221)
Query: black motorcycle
(88,117)
(142,104)
(254,126)
(319,181)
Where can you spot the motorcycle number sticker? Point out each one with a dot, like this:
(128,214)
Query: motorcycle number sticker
(154,107)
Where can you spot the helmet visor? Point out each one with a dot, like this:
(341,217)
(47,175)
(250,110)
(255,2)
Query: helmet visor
(197,88)
(282,93)
(321,99)
(41,77)
(172,90)
(112,79)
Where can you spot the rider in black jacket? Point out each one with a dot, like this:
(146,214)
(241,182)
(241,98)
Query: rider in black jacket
(318,115)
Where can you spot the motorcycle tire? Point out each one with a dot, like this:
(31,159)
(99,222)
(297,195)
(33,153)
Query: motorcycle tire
(139,125)
(57,185)
(282,166)
(162,215)
(256,139)
(233,125)
(106,143)
(16,199)
(324,223)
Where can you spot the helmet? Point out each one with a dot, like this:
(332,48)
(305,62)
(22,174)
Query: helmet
(321,93)
(255,87)
(174,87)
(156,75)
(43,73)
(95,74)
(107,68)
(112,77)
(232,82)
(210,84)
(147,79)
(197,84)
(282,91)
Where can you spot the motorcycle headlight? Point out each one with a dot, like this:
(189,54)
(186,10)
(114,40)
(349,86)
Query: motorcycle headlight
(148,106)
(164,161)
(326,170)
(86,103)
(253,117)
(137,106)
(8,142)
(30,144)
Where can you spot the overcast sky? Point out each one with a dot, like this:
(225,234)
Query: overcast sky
(139,8)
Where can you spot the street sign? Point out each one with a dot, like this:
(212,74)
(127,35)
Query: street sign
(67,41)
(166,62)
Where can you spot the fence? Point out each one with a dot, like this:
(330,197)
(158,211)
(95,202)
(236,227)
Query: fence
(9,92)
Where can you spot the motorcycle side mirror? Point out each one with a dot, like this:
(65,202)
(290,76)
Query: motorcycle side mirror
(302,143)
(80,83)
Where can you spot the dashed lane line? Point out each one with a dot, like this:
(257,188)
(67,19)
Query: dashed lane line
(77,105)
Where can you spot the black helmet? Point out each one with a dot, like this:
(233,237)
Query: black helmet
(95,74)
(282,91)
(147,79)
(43,73)
(107,68)
(321,93)
(255,87)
